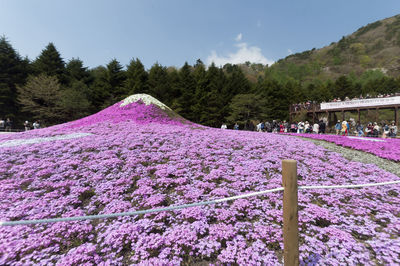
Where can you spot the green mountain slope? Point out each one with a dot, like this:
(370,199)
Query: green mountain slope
(374,46)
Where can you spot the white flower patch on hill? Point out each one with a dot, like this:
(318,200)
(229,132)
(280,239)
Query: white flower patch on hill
(17,142)
(146,99)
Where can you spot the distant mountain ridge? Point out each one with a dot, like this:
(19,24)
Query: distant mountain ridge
(375,46)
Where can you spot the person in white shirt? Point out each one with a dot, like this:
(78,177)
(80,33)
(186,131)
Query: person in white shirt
(224,126)
(300,127)
(36,125)
(316,128)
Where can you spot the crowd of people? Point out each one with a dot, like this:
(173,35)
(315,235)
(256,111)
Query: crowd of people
(367,97)
(308,105)
(374,129)
(7,125)
(344,128)
(283,127)
(303,106)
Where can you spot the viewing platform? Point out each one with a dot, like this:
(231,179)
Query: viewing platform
(354,105)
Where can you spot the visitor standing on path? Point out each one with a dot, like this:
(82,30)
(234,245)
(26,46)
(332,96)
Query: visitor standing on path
(27,126)
(316,128)
(322,127)
(2,124)
(8,125)
(345,129)
(338,127)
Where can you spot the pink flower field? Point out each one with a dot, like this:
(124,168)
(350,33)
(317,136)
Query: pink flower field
(384,148)
(139,157)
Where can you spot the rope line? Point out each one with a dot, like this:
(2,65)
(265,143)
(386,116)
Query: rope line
(351,186)
(112,215)
(170,208)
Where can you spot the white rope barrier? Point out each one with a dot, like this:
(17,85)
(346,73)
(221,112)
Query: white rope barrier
(113,215)
(170,208)
(351,186)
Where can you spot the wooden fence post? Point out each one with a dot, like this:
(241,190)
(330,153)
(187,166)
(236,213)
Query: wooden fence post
(290,213)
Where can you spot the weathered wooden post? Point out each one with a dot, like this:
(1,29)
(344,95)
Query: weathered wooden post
(290,213)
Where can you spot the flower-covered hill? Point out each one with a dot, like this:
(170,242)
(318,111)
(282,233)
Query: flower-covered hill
(138,108)
(114,164)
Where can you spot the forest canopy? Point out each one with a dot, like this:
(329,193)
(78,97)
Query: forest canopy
(53,90)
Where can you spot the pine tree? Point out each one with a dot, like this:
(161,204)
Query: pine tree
(73,102)
(236,82)
(210,106)
(199,75)
(344,88)
(277,100)
(116,75)
(77,72)
(13,72)
(216,108)
(187,86)
(158,82)
(136,78)
(49,62)
(100,89)
(174,91)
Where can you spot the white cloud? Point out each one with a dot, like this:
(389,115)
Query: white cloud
(239,37)
(244,53)
(289,51)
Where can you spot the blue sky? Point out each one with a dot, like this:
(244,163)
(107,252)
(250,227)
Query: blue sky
(174,31)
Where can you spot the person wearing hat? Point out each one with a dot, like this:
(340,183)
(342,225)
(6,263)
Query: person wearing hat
(338,127)
(392,130)
(27,125)
(376,130)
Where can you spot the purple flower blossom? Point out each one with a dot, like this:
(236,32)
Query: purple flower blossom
(138,157)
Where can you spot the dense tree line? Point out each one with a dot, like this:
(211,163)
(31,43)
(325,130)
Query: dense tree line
(55,91)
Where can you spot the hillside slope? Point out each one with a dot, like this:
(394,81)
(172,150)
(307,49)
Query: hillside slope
(374,46)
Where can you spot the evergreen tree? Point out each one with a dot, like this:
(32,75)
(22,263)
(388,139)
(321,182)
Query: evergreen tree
(187,86)
(217,107)
(158,82)
(210,104)
(136,78)
(100,89)
(77,72)
(199,75)
(344,88)
(74,103)
(174,91)
(49,62)
(236,82)
(108,85)
(116,78)
(296,92)
(277,98)
(13,72)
